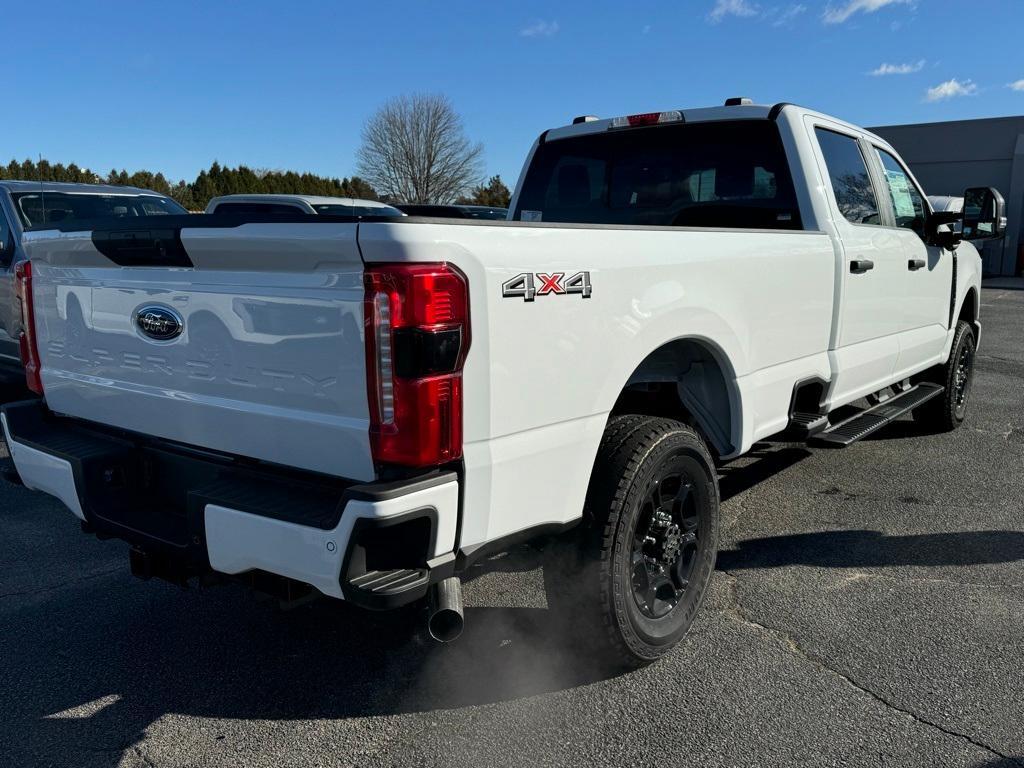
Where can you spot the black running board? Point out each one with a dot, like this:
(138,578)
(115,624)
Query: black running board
(872,419)
(803,426)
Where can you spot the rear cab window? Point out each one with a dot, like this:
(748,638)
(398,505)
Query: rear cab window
(732,174)
(40,208)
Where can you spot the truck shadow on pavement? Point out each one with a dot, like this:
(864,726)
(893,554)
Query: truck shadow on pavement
(873,549)
(90,664)
(94,663)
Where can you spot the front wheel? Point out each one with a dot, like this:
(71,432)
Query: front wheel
(946,413)
(631,584)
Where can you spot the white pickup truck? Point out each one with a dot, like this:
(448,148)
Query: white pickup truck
(368,406)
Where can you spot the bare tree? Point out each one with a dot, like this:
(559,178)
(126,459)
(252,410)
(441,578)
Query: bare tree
(415,151)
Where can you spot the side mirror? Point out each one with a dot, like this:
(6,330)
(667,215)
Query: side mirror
(984,213)
(945,229)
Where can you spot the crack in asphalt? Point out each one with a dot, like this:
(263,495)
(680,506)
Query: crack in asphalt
(863,575)
(143,757)
(734,608)
(62,584)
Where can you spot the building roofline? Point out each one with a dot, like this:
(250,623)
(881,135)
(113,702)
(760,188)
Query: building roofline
(1003,118)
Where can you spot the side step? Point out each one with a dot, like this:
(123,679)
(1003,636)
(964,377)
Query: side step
(872,419)
(803,426)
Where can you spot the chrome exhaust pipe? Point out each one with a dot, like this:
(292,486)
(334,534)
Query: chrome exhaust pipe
(445,620)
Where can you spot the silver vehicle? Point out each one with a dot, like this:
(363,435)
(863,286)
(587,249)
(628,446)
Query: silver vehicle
(33,203)
(248,205)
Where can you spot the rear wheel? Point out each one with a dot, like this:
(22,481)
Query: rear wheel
(946,413)
(632,581)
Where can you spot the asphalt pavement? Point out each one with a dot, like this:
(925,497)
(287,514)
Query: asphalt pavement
(868,610)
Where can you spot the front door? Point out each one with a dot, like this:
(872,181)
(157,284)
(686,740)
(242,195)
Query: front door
(927,275)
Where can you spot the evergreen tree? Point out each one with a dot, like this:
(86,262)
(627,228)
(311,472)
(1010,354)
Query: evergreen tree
(494,193)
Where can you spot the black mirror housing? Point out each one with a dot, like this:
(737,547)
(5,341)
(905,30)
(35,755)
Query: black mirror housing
(984,213)
(944,229)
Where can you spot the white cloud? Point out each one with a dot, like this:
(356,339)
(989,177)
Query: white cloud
(1017,85)
(898,69)
(789,14)
(540,28)
(723,8)
(951,89)
(839,14)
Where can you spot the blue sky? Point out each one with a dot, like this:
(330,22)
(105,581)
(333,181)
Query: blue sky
(173,86)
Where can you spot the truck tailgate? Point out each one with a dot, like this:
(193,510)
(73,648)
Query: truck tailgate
(267,360)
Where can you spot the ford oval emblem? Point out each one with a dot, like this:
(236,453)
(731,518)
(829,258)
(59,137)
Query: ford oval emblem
(159,323)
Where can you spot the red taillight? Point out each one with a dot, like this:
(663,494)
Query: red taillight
(27,336)
(417,336)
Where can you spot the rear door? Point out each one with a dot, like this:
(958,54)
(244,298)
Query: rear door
(866,347)
(244,339)
(928,273)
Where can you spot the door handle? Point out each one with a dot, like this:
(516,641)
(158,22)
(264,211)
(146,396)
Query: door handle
(915,264)
(860,266)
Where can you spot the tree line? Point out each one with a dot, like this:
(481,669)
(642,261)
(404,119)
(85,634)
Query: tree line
(219,180)
(212,182)
(414,151)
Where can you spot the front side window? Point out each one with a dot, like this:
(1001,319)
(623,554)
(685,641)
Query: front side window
(725,174)
(848,173)
(907,201)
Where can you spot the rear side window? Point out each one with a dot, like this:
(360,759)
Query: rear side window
(849,176)
(907,201)
(726,174)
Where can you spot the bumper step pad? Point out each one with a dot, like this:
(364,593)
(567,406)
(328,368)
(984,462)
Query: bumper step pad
(872,419)
(393,582)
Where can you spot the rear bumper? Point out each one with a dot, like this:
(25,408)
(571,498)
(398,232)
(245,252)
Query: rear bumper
(378,545)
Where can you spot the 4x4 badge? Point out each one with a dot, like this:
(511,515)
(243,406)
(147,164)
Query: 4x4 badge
(524,286)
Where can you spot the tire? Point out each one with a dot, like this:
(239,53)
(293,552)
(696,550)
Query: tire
(629,584)
(947,412)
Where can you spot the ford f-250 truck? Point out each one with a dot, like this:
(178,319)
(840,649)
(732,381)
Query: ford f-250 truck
(370,406)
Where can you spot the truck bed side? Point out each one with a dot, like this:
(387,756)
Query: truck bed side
(542,376)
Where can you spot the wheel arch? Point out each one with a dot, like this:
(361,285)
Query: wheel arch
(969,309)
(690,379)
